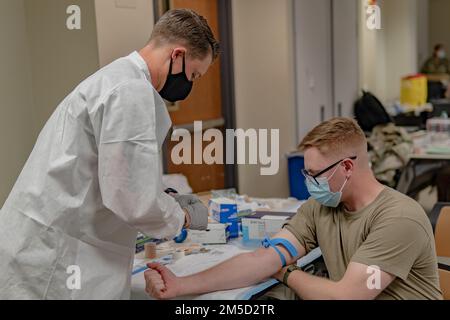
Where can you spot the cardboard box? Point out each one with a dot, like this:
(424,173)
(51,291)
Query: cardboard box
(216,233)
(224,210)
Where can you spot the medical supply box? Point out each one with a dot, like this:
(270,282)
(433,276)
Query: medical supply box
(224,210)
(216,233)
(264,224)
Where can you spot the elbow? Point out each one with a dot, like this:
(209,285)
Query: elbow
(341,295)
(344,291)
(161,228)
(340,291)
(149,217)
(265,257)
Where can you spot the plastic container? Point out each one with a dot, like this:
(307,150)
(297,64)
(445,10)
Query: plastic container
(438,129)
(297,186)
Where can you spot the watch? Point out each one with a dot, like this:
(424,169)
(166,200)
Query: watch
(286,275)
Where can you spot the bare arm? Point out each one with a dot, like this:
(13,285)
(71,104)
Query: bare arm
(355,285)
(242,271)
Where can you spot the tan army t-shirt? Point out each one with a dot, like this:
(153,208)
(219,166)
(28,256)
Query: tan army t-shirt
(392,233)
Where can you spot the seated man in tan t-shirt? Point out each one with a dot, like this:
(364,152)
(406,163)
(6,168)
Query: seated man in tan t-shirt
(376,242)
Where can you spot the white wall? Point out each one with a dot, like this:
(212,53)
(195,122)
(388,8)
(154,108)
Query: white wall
(439,23)
(391,53)
(346,56)
(16,95)
(423,29)
(401,43)
(122,27)
(372,55)
(60,58)
(313,65)
(264,76)
(42,61)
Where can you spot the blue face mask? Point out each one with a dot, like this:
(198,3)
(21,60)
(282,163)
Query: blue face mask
(322,192)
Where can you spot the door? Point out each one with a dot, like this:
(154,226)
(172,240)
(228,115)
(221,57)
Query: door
(345,57)
(204,104)
(312,23)
(326,44)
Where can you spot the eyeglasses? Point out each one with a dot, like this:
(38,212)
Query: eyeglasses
(313,178)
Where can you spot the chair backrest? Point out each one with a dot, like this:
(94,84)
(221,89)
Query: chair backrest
(442,238)
(442,233)
(444,281)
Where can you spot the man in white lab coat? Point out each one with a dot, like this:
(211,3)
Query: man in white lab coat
(68,228)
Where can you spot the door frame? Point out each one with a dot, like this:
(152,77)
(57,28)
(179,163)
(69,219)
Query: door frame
(227,80)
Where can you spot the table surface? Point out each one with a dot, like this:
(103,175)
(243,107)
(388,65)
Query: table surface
(233,247)
(444,260)
(426,156)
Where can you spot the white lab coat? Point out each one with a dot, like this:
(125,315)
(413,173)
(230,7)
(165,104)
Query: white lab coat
(92,180)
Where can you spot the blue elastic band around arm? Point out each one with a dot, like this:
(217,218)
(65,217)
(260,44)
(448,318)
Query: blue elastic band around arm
(285,243)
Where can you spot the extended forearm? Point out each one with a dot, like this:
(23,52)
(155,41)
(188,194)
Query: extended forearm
(309,287)
(241,271)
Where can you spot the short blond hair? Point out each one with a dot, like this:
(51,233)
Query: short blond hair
(335,136)
(188,27)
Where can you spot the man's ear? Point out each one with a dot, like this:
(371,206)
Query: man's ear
(178,52)
(348,165)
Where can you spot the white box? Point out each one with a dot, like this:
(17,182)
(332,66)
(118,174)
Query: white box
(216,233)
(253,229)
(224,210)
(274,224)
(263,224)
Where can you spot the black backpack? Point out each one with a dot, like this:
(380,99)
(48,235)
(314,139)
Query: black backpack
(370,112)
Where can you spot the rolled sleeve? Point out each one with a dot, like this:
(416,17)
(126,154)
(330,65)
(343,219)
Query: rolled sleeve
(303,226)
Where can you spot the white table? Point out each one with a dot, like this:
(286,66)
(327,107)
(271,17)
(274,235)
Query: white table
(444,260)
(426,156)
(420,164)
(196,263)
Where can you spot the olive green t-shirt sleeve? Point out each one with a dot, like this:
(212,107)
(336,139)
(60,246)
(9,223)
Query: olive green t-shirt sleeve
(303,226)
(393,245)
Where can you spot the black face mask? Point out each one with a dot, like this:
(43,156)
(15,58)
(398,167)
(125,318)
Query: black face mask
(177,86)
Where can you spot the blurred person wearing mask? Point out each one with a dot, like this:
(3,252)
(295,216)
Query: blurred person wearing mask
(438,63)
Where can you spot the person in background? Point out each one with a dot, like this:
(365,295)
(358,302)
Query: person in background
(94,178)
(437,70)
(438,64)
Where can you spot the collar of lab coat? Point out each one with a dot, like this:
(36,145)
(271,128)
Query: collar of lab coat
(162,115)
(136,58)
